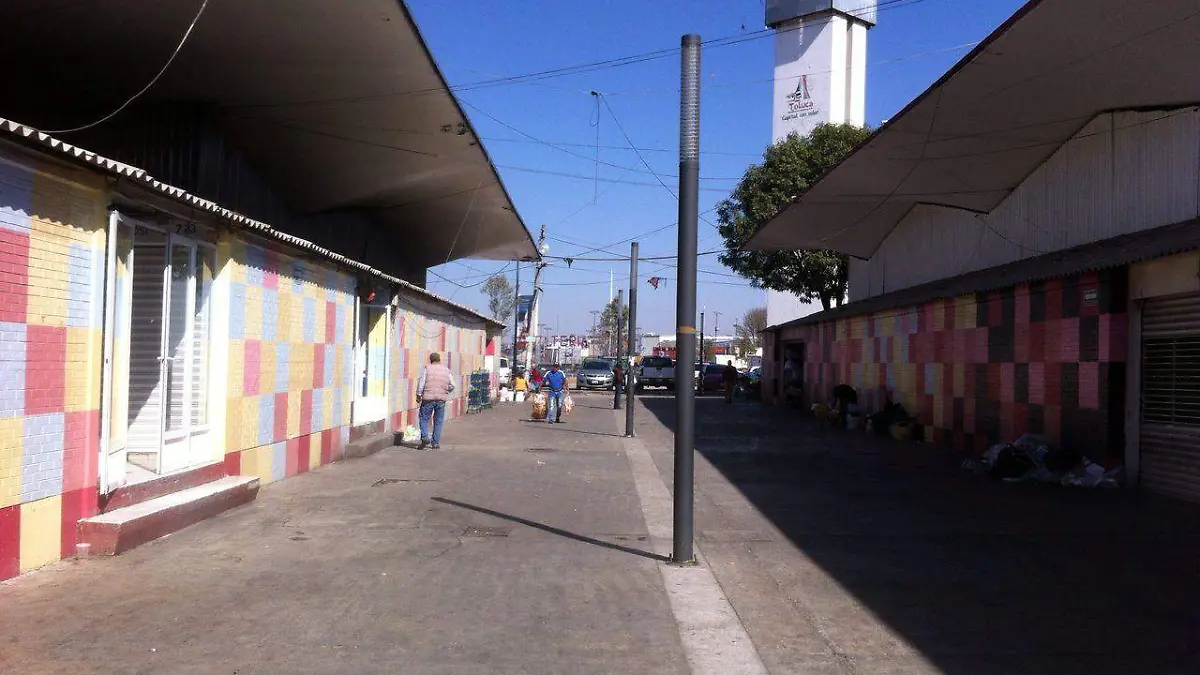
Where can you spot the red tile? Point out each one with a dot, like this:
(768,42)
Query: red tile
(76,505)
(45,369)
(1021,305)
(1008,391)
(1054,299)
(1037,383)
(1021,343)
(1037,342)
(327,446)
(330,322)
(319,366)
(960,346)
(292,455)
(14,279)
(306,406)
(1020,418)
(1053,382)
(251,368)
(233,463)
(995,310)
(1089,385)
(1008,430)
(304,453)
(281,416)
(81,449)
(10,542)
(1052,341)
(1068,336)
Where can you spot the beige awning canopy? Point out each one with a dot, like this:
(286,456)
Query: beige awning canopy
(338,105)
(985,126)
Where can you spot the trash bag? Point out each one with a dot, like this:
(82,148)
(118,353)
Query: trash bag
(568,404)
(410,434)
(1012,464)
(540,406)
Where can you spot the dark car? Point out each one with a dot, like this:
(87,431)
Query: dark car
(712,377)
(751,382)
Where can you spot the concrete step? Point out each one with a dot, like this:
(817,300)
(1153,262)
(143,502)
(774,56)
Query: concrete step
(144,491)
(121,529)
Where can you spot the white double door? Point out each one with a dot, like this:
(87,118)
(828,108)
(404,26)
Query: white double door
(164,308)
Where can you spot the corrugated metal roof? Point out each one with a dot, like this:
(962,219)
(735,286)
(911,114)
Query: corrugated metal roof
(1123,250)
(32,137)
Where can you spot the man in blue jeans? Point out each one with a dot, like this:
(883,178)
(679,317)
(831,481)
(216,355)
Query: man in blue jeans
(433,390)
(555,385)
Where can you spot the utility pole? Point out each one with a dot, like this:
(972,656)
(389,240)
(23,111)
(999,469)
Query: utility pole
(629,377)
(685,299)
(700,383)
(543,249)
(617,348)
(516,322)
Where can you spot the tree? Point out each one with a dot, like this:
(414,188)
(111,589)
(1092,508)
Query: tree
(749,331)
(611,334)
(500,297)
(788,168)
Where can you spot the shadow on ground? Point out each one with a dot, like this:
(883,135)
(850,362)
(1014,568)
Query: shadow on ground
(980,577)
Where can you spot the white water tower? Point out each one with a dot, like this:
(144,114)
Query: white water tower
(820,76)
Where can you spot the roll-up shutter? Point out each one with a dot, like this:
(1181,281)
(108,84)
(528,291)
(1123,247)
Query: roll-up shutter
(1170,425)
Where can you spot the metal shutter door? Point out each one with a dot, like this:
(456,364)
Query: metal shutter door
(1170,416)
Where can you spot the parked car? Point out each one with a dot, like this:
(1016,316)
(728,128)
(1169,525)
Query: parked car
(657,371)
(504,373)
(713,378)
(751,382)
(595,374)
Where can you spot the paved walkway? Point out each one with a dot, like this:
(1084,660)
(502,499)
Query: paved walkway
(526,548)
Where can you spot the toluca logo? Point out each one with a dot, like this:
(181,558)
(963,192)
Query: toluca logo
(799,102)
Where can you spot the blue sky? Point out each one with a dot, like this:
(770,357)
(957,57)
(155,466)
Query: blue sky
(915,42)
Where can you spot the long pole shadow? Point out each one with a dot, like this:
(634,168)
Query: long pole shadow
(552,530)
(573,431)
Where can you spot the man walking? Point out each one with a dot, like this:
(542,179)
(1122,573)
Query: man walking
(729,378)
(433,390)
(554,383)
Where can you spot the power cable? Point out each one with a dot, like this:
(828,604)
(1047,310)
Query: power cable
(151,83)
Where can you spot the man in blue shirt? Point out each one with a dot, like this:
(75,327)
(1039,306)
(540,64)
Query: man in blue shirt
(555,385)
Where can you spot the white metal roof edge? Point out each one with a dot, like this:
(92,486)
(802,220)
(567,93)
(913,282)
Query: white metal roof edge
(31,135)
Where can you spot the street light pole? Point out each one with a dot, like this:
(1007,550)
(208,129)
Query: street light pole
(685,298)
(629,377)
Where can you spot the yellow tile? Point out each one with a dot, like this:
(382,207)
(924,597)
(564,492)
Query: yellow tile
(286,331)
(233,424)
(11,430)
(254,312)
(41,532)
(83,369)
(249,462)
(314,451)
(301,365)
(965,311)
(264,457)
(939,315)
(249,422)
(237,367)
(330,414)
(938,421)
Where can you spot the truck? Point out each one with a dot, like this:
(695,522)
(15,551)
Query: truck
(656,371)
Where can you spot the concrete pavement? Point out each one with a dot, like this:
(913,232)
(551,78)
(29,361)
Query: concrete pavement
(531,548)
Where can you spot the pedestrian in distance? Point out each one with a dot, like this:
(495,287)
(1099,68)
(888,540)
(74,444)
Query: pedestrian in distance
(729,378)
(433,390)
(554,383)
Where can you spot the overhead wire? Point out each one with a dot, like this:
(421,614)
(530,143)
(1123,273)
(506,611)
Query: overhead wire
(154,80)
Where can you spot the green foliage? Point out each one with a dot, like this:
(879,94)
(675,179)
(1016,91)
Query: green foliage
(500,297)
(788,168)
(748,332)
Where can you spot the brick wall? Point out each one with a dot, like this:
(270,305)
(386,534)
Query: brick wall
(1045,357)
(417,333)
(52,224)
(291,348)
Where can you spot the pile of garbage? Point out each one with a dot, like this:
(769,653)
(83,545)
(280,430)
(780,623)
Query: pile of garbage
(1031,459)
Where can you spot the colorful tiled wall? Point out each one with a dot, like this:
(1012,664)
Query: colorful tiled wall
(416,335)
(51,307)
(290,362)
(1046,357)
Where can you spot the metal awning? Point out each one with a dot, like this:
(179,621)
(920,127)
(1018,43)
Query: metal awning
(339,105)
(985,126)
